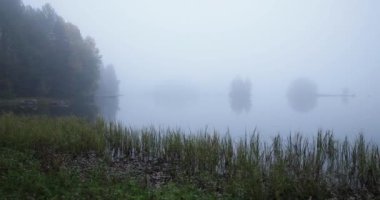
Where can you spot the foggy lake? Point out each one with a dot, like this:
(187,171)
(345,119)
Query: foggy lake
(194,108)
(273,66)
(190,99)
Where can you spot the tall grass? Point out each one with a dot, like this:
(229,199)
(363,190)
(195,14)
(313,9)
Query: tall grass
(65,135)
(249,167)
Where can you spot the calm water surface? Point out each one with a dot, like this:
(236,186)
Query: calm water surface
(270,113)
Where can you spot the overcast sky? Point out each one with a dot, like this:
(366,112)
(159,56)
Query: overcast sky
(199,38)
(207,43)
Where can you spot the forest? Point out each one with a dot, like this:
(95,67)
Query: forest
(42,56)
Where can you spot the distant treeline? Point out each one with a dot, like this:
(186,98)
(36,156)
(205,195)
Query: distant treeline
(42,55)
(108,93)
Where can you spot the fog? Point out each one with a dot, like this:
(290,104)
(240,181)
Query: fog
(178,62)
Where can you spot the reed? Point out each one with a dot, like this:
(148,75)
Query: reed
(249,167)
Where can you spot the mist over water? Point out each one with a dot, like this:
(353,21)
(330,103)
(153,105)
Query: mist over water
(270,113)
(240,95)
(178,63)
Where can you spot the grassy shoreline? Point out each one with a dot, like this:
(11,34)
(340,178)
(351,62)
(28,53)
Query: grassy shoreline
(69,158)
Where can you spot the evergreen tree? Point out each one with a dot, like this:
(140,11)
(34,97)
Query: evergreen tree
(41,55)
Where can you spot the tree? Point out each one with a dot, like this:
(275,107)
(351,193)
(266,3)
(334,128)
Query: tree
(240,95)
(107,93)
(41,55)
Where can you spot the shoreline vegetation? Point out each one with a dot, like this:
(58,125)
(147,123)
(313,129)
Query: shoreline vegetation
(70,158)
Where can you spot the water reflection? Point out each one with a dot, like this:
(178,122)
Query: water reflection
(167,104)
(107,107)
(107,94)
(105,103)
(85,108)
(240,95)
(303,95)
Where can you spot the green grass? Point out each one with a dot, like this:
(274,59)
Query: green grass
(37,160)
(21,177)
